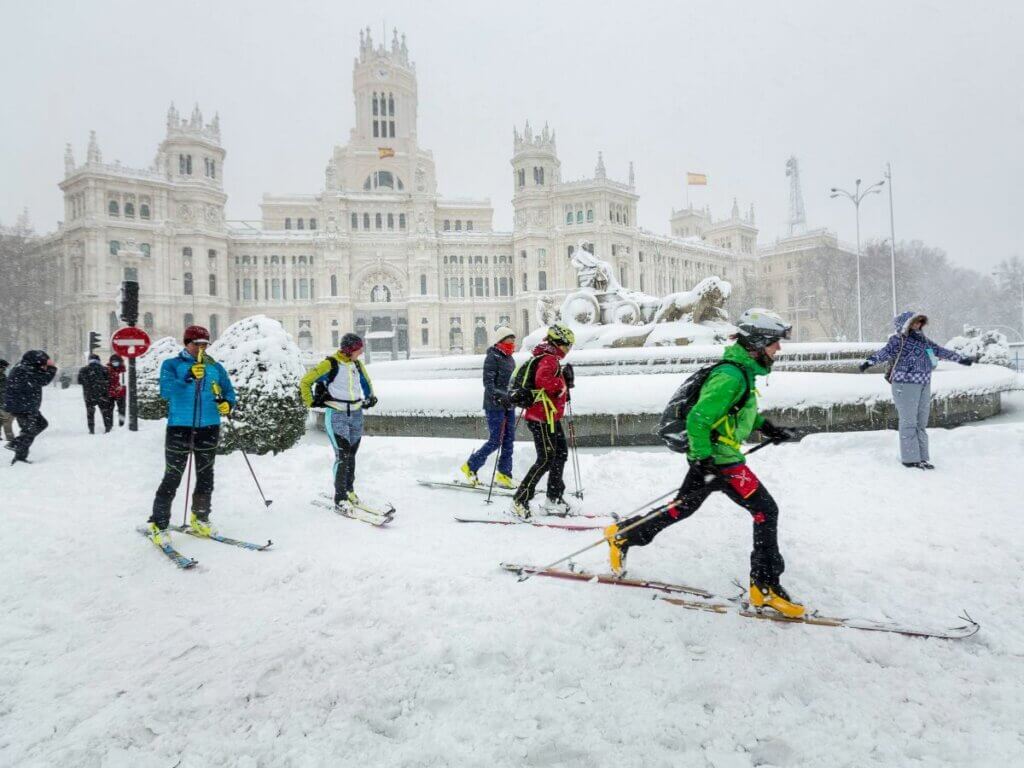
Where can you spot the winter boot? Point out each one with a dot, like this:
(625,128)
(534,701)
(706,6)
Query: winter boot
(927,465)
(505,481)
(915,465)
(470,475)
(520,511)
(199,523)
(774,596)
(352,498)
(558,507)
(160,536)
(617,548)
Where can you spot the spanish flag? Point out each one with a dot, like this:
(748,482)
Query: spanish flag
(696,179)
(385,152)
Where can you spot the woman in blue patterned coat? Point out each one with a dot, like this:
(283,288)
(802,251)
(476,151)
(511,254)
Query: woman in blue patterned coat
(913,357)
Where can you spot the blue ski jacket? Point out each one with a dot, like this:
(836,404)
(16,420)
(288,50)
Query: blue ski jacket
(178,388)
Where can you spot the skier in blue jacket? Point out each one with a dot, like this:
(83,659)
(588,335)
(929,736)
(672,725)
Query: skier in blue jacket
(198,392)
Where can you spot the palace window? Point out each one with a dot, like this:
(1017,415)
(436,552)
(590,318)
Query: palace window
(423,285)
(115,246)
(458,225)
(447,225)
(187,283)
(424,336)
(303,288)
(146,249)
(521,177)
(112,208)
(355,221)
(378,220)
(391,221)
(287,222)
(213,284)
(312,223)
(275,287)
(302,224)
(334,285)
(129,210)
(524,288)
(144,211)
(568,217)
(366,221)
(401,221)
(538,175)
(590,214)
(247,289)
(542,281)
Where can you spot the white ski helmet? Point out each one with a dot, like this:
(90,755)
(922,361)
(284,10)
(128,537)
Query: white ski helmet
(760,328)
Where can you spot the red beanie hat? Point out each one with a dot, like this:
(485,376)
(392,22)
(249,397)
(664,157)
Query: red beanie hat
(196,333)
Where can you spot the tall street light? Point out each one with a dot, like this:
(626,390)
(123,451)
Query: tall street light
(855,198)
(892,234)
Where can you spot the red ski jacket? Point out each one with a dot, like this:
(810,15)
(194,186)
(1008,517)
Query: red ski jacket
(114,386)
(550,405)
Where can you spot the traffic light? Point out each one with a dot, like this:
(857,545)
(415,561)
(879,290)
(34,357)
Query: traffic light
(94,341)
(130,302)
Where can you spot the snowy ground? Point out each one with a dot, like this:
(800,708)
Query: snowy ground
(347,645)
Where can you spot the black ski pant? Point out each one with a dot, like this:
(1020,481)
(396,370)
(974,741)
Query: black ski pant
(29,425)
(741,485)
(344,467)
(106,406)
(176,453)
(552,452)
(108,414)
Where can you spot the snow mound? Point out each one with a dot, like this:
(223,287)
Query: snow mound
(147,377)
(985,346)
(265,366)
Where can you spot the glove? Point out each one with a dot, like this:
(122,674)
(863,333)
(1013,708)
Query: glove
(569,375)
(778,434)
(502,399)
(224,407)
(705,465)
(196,372)
(370,401)
(864,366)
(966,361)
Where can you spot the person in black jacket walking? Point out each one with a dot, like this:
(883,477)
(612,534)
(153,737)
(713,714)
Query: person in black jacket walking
(24,396)
(95,391)
(6,420)
(501,416)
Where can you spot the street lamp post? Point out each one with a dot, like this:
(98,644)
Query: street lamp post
(855,198)
(892,234)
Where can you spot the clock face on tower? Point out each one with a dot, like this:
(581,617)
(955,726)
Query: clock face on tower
(382,73)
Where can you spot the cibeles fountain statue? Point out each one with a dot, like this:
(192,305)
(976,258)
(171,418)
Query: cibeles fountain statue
(603,313)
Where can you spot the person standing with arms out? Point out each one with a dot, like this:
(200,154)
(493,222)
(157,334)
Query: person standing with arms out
(190,383)
(342,387)
(498,408)
(95,391)
(716,426)
(23,398)
(549,381)
(913,357)
(116,391)
(6,419)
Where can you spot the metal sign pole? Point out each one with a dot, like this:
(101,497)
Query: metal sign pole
(133,403)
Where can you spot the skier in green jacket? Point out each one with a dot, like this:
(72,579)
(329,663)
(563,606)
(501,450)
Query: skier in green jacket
(716,427)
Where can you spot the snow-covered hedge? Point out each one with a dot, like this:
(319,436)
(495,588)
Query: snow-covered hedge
(147,375)
(265,367)
(987,346)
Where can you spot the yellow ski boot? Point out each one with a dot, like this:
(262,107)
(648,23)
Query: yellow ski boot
(470,475)
(159,536)
(199,526)
(774,596)
(520,511)
(502,480)
(617,548)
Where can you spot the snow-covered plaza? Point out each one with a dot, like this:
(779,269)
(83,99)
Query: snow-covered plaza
(349,645)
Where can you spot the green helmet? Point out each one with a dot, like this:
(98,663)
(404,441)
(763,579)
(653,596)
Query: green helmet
(559,334)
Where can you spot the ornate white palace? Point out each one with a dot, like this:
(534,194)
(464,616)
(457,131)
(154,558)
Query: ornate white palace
(378,250)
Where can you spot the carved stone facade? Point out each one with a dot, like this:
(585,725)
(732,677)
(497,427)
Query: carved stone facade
(377,250)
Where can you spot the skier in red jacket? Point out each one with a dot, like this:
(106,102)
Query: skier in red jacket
(550,384)
(115,388)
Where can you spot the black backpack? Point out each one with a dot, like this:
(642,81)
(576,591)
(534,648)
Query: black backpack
(672,427)
(320,393)
(521,385)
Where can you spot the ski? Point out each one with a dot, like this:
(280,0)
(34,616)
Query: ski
(225,539)
(969,628)
(562,526)
(172,554)
(606,578)
(462,486)
(355,513)
(388,511)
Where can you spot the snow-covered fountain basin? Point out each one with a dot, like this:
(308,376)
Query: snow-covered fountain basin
(620,394)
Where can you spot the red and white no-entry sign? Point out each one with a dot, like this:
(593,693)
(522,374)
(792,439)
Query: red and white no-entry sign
(130,342)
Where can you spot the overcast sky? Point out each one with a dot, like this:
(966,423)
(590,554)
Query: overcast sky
(729,89)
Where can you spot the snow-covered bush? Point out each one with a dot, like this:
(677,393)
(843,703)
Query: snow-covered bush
(147,377)
(986,346)
(265,367)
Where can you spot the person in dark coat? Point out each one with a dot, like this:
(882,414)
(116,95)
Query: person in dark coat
(95,391)
(501,415)
(115,389)
(24,396)
(6,420)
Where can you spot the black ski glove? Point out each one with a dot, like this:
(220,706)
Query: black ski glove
(370,401)
(777,434)
(966,361)
(705,465)
(864,366)
(569,375)
(502,399)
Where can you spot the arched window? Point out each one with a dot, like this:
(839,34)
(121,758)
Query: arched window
(214,327)
(447,225)
(379,221)
(143,211)
(303,288)
(401,221)
(568,217)
(469,226)
(213,284)
(391,221)
(380,294)
(579,217)
(187,283)
(112,208)
(302,259)
(302,224)
(147,322)
(247,289)
(312,224)
(275,286)
(458,225)
(521,177)
(287,222)
(590,214)
(146,249)
(334,285)
(129,210)
(366,221)
(115,246)
(423,285)
(355,221)
(542,281)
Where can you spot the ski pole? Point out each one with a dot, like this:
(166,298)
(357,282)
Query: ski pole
(192,445)
(501,442)
(234,436)
(574,446)
(650,516)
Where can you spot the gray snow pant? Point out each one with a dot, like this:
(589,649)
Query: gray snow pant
(913,404)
